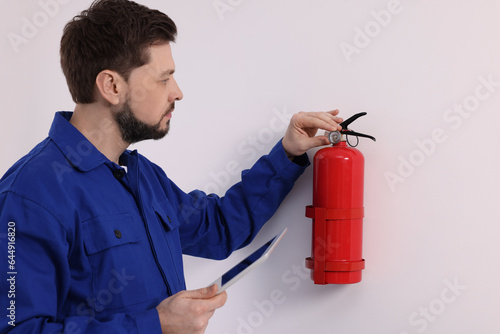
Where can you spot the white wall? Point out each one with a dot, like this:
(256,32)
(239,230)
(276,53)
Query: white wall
(436,225)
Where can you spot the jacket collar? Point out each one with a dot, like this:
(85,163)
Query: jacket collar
(77,149)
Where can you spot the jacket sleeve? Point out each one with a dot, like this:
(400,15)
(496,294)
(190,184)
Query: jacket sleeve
(35,277)
(213,226)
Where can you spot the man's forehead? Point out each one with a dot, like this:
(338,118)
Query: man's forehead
(161,60)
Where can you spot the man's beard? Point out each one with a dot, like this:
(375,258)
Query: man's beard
(134,130)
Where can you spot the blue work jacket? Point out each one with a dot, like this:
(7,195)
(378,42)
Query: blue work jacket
(89,246)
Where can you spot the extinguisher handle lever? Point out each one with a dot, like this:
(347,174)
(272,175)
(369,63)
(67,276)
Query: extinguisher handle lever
(351,119)
(357,134)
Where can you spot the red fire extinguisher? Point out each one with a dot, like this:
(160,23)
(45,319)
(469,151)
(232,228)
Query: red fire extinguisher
(337,210)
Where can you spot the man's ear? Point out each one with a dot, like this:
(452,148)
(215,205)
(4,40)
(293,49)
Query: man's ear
(111,86)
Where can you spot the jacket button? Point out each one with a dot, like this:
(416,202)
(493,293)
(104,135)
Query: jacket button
(118,234)
(119,174)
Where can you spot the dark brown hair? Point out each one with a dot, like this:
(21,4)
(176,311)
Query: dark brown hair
(113,35)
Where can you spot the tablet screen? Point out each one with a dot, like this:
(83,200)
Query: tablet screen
(250,262)
(247,262)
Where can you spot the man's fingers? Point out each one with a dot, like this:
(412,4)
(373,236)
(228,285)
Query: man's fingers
(189,311)
(308,143)
(203,293)
(215,302)
(328,118)
(318,141)
(331,114)
(219,300)
(301,136)
(209,296)
(319,120)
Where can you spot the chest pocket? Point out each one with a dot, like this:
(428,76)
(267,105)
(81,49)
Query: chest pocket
(170,226)
(104,232)
(164,211)
(121,274)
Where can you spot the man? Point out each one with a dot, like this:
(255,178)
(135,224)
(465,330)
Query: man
(98,231)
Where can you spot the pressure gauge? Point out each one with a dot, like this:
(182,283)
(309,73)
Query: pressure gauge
(334,137)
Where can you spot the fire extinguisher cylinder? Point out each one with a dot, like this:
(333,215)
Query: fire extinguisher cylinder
(337,212)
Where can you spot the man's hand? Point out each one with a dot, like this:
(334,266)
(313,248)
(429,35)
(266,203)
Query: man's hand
(189,311)
(301,132)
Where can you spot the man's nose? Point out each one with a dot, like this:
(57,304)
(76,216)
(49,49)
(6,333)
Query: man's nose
(176,93)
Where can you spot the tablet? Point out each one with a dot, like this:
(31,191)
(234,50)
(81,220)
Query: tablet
(248,264)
